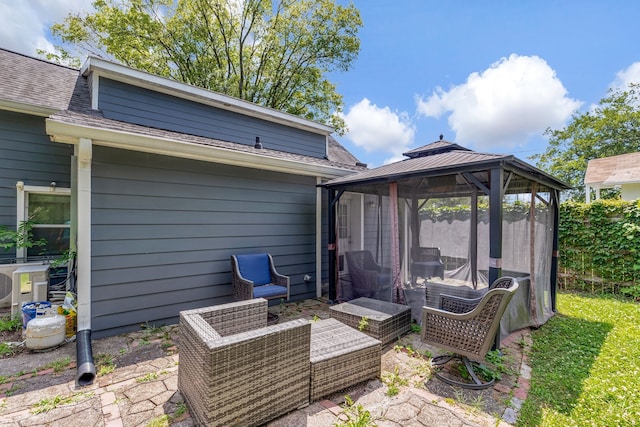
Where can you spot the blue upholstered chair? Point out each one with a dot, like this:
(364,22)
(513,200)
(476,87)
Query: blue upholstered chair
(255,276)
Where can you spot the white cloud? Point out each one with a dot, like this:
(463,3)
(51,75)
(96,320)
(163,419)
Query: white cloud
(24,25)
(505,105)
(630,74)
(379,129)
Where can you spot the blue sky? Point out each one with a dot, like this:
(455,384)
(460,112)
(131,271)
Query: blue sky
(490,75)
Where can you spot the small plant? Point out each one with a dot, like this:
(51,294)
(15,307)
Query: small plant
(355,414)
(47,404)
(393,381)
(315,318)
(20,238)
(180,410)
(415,328)
(161,421)
(475,404)
(363,323)
(151,376)
(6,349)
(59,365)
(104,363)
(8,324)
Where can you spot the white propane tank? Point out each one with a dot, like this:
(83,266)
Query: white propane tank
(45,332)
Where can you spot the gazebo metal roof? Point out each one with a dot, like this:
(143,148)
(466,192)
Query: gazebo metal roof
(439,159)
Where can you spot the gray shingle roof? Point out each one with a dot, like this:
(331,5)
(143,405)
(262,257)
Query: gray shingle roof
(38,83)
(41,84)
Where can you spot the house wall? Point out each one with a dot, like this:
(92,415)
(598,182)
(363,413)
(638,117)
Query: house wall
(630,192)
(120,101)
(164,230)
(27,154)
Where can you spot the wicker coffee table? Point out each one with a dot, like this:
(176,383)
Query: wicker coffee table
(385,321)
(340,357)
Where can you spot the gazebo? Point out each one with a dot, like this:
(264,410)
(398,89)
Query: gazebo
(446,220)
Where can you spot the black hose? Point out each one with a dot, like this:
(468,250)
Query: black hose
(86,372)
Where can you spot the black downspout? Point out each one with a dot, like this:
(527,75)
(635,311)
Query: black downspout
(86,370)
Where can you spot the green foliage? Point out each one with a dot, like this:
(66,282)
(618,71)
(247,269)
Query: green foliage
(600,243)
(363,323)
(511,211)
(10,324)
(276,54)
(393,381)
(20,238)
(6,349)
(610,129)
(354,415)
(585,365)
(47,404)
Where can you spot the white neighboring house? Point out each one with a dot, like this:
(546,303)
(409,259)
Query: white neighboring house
(621,171)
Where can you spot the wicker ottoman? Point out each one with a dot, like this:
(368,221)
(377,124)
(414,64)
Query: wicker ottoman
(340,357)
(385,321)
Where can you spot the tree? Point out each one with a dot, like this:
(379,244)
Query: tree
(609,129)
(273,53)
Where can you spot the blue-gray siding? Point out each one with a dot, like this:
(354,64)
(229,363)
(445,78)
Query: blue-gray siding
(164,229)
(27,154)
(133,104)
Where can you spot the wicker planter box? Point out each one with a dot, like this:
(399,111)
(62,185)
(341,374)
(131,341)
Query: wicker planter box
(386,321)
(340,357)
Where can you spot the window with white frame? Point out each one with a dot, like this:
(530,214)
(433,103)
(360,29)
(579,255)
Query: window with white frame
(48,212)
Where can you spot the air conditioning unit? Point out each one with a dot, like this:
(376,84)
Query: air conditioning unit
(23,283)
(6,283)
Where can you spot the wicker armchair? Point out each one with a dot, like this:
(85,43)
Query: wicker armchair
(468,335)
(367,277)
(236,371)
(255,276)
(455,304)
(426,263)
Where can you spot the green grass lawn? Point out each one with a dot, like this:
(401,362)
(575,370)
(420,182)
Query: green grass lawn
(586,365)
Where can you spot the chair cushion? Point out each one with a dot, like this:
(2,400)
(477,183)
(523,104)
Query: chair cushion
(269,291)
(255,267)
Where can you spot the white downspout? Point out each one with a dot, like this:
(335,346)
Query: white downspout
(318,238)
(84,155)
(86,369)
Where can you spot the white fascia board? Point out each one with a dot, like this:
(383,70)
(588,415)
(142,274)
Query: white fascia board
(20,107)
(71,133)
(171,87)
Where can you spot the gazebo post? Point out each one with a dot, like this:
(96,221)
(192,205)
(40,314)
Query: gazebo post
(331,224)
(495,231)
(473,238)
(555,206)
(495,224)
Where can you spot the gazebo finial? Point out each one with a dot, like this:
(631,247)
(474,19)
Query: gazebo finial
(441,137)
